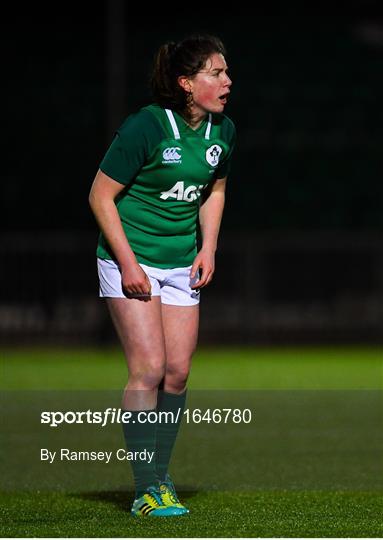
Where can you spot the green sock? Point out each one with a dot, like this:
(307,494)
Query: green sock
(140,437)
(167,431)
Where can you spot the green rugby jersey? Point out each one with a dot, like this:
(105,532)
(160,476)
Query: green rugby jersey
(165,165)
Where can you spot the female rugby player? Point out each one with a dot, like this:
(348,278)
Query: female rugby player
(165,170)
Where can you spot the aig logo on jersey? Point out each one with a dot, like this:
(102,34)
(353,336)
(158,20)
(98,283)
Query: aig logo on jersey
(212,155)
(180,193)
(172,155)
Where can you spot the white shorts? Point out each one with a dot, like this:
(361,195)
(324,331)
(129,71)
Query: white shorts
(172,285)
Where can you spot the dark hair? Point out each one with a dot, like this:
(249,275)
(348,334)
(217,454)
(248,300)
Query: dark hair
(175,59)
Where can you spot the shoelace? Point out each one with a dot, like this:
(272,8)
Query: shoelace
(172,492)
(155,497)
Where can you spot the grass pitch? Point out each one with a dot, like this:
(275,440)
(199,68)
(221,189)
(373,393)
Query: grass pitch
(328,485)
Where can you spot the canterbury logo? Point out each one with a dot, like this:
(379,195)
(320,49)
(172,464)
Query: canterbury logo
(172,155)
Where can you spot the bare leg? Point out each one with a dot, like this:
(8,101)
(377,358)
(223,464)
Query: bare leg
(180,331)
(180,325)
(139,326)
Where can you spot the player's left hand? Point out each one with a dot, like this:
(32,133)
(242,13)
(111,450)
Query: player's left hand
(205,260)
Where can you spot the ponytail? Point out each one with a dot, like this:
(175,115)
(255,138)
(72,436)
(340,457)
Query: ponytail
(165,87)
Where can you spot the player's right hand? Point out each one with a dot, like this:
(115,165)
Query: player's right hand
(134,281)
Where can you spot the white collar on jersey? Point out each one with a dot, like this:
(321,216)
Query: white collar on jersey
(174,126)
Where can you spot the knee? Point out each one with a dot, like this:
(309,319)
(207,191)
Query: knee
(176,378)
(149,375)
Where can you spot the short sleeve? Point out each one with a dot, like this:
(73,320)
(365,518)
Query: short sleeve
(131,147)
(229,136)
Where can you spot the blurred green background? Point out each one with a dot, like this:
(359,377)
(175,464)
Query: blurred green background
(308,464)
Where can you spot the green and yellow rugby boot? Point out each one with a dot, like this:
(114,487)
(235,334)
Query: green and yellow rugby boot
(169,495)
(151,504)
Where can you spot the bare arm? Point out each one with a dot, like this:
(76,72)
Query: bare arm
(101,199)
(210,214)
(210,217)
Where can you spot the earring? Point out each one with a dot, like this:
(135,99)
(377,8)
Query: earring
(189,98)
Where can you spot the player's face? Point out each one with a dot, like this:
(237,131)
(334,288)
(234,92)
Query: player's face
(211,86)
